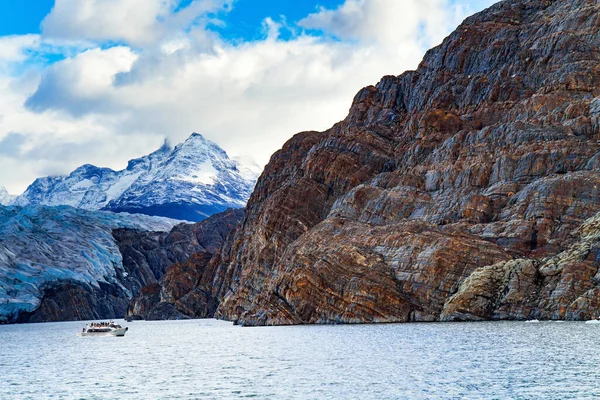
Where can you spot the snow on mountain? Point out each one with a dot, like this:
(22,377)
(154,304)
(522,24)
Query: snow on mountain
(248,168)
(5,198)
(191,182)
(40,246)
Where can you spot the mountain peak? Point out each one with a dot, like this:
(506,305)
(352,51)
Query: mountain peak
(197,145)
(190,181)
(197,139)
(6,199)
(200,139)
(166,146)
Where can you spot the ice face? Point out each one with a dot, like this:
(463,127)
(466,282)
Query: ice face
(41,245)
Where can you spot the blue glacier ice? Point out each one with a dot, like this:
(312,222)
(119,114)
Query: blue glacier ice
(41,245)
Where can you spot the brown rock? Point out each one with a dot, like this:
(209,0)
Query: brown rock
(448,192)
(175,295)
(564,286)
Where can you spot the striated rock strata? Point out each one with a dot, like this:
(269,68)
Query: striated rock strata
(563,286)
(148,255)
(488,155)
(175,293)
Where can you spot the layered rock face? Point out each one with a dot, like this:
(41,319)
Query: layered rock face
(563,286)
(176,292)
(148,255)
(486,154)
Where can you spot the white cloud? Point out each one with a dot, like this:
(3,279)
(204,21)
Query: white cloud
(107,105)
(36,144)
(136,22)
(248,98)
(384,21)
(393,22)
(83,84)
(13,48)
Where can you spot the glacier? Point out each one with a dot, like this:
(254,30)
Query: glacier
(41,246)
(191,181)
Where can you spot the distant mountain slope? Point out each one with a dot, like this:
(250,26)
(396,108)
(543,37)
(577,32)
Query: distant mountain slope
(71,252)
(192,181)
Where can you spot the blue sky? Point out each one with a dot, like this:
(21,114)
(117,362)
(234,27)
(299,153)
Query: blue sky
(244,21)
(105,81)
(19,17)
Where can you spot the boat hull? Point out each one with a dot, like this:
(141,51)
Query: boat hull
(120,332)
(116,332)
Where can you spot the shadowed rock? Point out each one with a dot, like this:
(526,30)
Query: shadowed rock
(175,294)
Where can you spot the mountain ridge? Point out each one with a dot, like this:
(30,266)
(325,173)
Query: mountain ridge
(190,181)
(6,199)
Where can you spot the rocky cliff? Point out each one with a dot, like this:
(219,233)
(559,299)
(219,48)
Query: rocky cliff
(562,286)
(451,192)
(176,292)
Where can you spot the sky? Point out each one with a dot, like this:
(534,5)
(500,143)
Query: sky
(104,81)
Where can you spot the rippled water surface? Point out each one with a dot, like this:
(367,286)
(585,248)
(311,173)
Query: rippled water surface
(208,359)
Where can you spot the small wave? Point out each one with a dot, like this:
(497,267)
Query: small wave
(532,321)
(593,321)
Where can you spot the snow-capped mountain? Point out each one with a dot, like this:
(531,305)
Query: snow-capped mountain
(190,182)
(5,198)
(40,246)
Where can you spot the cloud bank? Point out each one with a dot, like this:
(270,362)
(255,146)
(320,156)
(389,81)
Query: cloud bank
(136,71)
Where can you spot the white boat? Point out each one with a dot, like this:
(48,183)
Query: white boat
(104,329)
(593,321)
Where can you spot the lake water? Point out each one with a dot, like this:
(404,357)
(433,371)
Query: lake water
(209,359)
